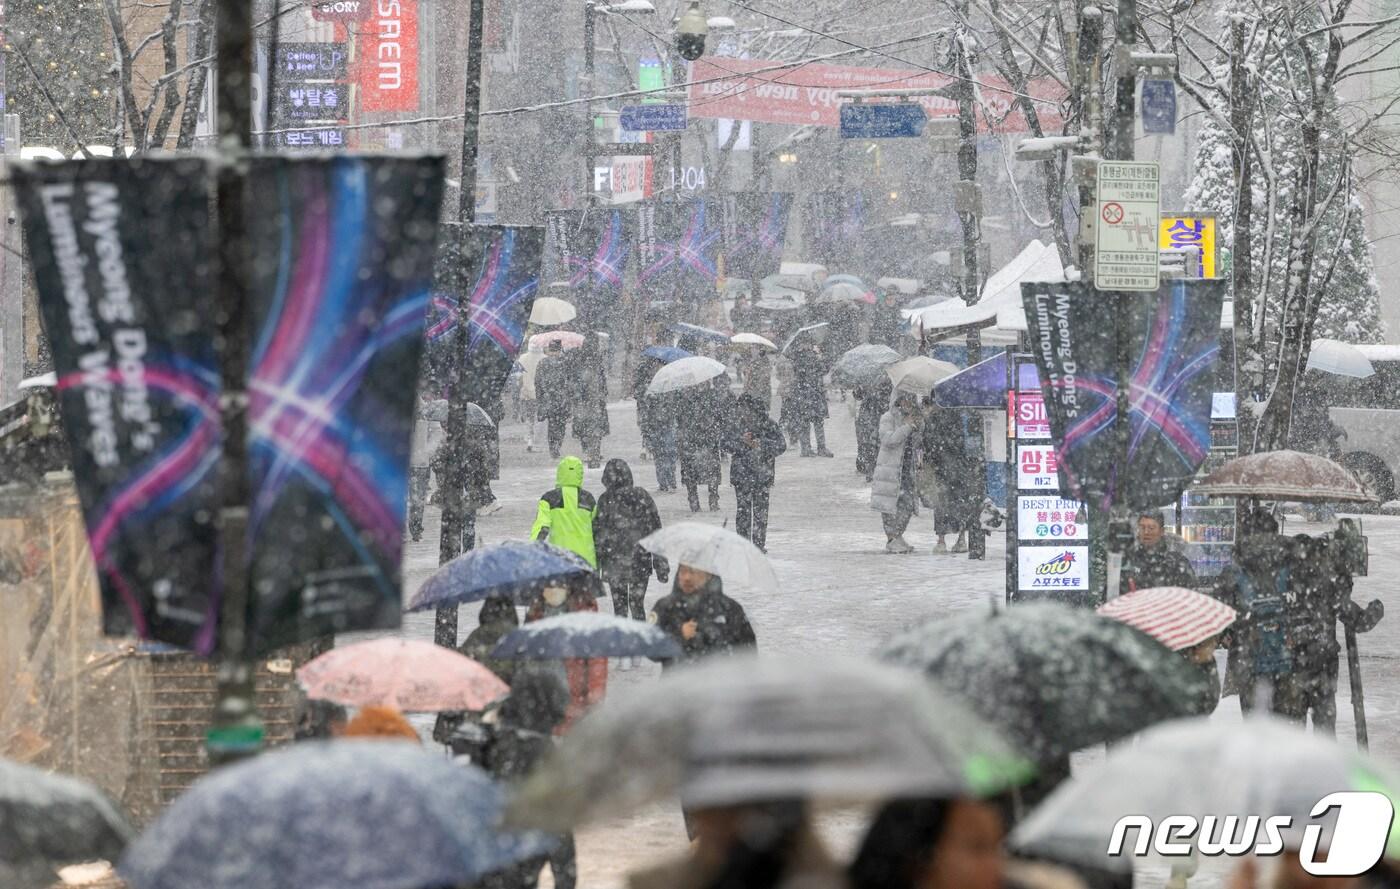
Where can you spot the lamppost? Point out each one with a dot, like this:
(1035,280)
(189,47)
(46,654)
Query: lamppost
(591,9)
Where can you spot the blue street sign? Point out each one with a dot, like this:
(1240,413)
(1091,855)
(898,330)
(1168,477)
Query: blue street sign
(640,118)
(1159,107)
(887,120)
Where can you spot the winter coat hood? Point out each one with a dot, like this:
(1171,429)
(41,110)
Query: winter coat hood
(617,474)
(498,610)
(537,702)
(570,473)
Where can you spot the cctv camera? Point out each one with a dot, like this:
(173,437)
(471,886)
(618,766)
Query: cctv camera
(690,46)
(691,31)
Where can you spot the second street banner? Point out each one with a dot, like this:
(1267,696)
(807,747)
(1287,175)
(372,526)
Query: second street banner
(495,269)
(1173,341)
(339,323)
(755,228)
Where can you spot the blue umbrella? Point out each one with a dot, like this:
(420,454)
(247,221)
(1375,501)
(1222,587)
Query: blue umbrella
(372,814)
(665,354)
(705,333)
(983,384)
(515,569)
(587,634)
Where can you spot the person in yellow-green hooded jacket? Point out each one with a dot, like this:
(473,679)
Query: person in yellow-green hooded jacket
(565,514)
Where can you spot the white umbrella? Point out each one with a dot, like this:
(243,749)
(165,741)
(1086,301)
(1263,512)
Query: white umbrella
(714,550)
(753,339)
(1337,357)
(918,375)
(1198,767)
(684,372)
(436,411)
(551,310)
(843,291)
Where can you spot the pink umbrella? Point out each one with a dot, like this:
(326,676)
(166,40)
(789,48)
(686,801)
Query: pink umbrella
(1175,616)
(566,338)
(406,674)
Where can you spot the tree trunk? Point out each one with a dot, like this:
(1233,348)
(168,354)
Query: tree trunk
(1247,352)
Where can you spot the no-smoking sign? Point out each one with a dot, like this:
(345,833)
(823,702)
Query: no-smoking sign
(1125,238)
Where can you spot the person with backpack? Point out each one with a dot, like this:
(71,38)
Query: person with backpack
(1256,586)
(625,514)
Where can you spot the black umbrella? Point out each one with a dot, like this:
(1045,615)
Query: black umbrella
(49,821)
(1055,679)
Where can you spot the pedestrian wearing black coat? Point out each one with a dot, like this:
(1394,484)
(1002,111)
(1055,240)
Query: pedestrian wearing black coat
(554,394)
(701,618)
(701,413)
(1151,561)
(497,618)
(590,398)
(656,418)
(956,474)
(755,442)
(874,401)
(624,515)
(809,398)
(508,750)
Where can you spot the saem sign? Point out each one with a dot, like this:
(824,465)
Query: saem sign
(388,66)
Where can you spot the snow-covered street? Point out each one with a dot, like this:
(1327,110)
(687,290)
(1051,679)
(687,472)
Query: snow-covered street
(841,593)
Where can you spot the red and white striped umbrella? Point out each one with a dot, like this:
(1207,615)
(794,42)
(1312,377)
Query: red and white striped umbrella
(1177,617)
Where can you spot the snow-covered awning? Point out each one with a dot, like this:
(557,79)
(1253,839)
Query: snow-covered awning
(1037,262)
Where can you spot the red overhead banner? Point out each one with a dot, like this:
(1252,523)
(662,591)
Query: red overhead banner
(806,94)
(387,71)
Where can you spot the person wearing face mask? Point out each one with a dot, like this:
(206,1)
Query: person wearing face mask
(701,618)
(587,677)
(932,844)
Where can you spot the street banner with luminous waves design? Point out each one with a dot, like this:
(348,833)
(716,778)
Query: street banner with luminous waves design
(497,269)
(755,228)
(339,302)
(679,244)
(590,250)
(1172,347)
(120,253)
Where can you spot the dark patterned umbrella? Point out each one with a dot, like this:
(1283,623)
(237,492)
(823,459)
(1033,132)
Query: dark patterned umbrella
(48,821)
(372,814)
(1053,678)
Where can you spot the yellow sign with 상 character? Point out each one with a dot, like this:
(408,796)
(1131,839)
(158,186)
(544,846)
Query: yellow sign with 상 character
(1191,231)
